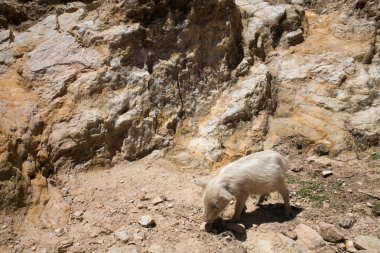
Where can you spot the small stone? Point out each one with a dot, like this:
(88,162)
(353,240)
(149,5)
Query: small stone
(236,227)
(77,215)
(121,181)
(64,245)
(330,233)
(33,248)
(298,169)
(347,222)
(369,204)
(298,204)
(300,2)
(170,205)
(140,206)
(309,237)
(205,227)
(59,232)
(157,200)
(350,246)
(122,235)
(369,243)
(327,173)
(4,226)
(146,221)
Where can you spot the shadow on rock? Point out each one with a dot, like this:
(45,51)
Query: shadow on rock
(263,214)
(268,214)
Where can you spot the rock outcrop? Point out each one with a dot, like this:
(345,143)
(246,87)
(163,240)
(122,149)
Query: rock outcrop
(208,81)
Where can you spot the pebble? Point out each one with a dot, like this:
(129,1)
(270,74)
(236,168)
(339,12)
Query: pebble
(33,248)
(122,235)
(4,226)
(298,169)
(146,221)
(205,227)
(327,173)
(347,222)
(59,232)
(369,204)
(64,245)
(369,243)
(236,227)
(78,215)
(157,200)
(170,205)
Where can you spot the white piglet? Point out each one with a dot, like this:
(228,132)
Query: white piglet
(259,174)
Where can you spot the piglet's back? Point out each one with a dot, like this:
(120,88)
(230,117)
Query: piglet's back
(267,160)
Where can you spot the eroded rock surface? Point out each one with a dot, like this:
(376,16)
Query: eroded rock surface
(95,82)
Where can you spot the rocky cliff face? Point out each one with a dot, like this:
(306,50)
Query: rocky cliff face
(207,81)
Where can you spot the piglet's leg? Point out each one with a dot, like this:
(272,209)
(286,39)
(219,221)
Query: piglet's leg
(285,195)
(239,206)
(261,199)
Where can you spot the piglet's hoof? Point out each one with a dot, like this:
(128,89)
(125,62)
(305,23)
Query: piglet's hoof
(205,227)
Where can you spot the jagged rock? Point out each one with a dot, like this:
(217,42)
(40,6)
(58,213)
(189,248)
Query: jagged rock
(294,38)
(369,243)
(309,237)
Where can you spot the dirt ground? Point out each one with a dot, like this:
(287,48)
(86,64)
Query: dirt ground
(97,203)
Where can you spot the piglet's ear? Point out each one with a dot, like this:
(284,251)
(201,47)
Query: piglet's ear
(200,183)
(225,195)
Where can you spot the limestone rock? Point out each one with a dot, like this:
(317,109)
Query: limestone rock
(309,237)
(347,222)
(330,233)
(294,38)
(146,221)
(369,243)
